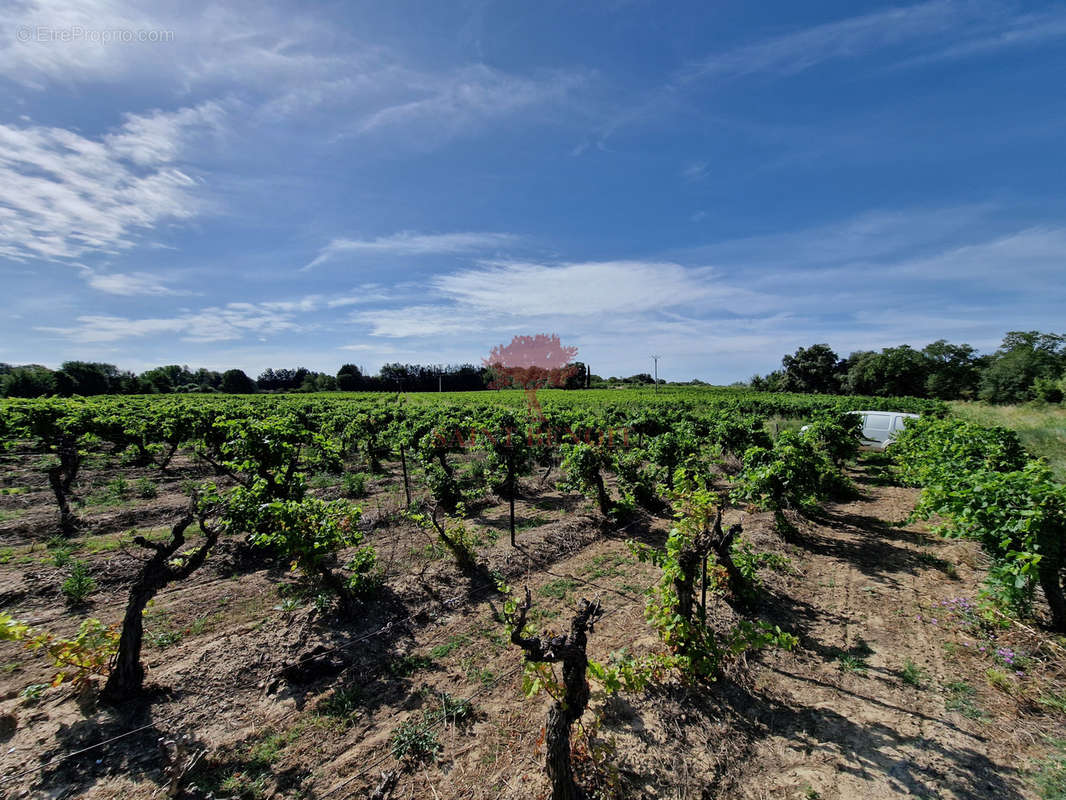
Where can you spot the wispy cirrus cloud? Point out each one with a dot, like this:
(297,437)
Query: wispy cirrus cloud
(213,324)
(457,100)
(595,287)
(63,194)
(413,244)
(133,284)
(934,30)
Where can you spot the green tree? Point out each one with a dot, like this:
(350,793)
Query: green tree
(894,372)
(953,370)
(31,380)
(811,369)
(349,378)
(1024,357)
(234,381)
(93,377)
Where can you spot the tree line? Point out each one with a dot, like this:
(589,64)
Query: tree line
(96,378)
(1029,365)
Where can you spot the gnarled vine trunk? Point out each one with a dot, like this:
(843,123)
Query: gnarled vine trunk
(127,673)
(570,650)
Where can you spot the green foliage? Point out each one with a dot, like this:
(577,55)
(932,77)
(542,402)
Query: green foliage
(88,653)
(837,435)
(912,674)
(796,473)
(583,465)
(415,741)
(1019,517)
(932,450)
(696,649)
(79,583)
(354,484)
(1023,359)
(1049,773)
(962,697)
(145,488)
(979,481)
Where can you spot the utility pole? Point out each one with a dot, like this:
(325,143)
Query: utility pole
(656,358)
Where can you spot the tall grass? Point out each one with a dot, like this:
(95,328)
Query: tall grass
(1042,429)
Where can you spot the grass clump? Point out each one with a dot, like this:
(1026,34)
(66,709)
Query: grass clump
(79,583)
(557,589)
(962,698)
(912,674)
(1049,775)
(854,659)
(415,742)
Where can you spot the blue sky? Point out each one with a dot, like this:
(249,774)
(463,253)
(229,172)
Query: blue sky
(312,184)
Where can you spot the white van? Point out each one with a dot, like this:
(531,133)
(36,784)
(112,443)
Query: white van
(879,428)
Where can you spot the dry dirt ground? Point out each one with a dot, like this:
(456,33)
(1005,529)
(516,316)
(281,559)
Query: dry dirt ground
(893,692)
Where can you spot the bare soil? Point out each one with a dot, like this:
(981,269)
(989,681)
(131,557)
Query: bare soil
(287,701)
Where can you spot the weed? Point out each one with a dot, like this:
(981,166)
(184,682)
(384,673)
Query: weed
(912,674)
(247,775)
(354,484)
(1053,700)
(998,679)
(415,741)
(146,489)
(13,666)
(608,565)
(9,514)
(323,480)
(483,675)
(33,692)
(60,556)
(79,583)
(961,699)
(849,663)
(407,665)
(447,709)
(164,639)
(558,589)
(115,492)
(1050,773)
(342,704)
(453,643)
(529,524)
(6,554)
(854,660)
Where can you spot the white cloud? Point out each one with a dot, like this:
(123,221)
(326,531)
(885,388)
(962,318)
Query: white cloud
(214,324)
(424,320)
(63,194)
(159,137)
(945,29)
(577,289)
(450,103)
(413,244)
(132,284)
(696,171)
(283,65)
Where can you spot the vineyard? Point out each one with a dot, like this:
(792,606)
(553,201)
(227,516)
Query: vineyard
(608,594)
